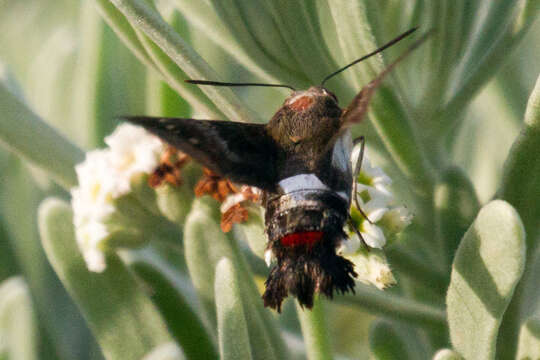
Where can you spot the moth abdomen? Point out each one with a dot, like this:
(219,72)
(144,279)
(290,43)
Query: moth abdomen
(304,227)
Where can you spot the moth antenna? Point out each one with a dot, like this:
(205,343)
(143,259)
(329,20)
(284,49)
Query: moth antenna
(375,82)
(217,83)
(388,44)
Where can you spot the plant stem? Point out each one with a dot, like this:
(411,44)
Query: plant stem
(394,306)
(314,329)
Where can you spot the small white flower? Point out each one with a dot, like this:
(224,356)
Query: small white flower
(372,268)
(132,151)
(105,176)
(373,235)
(375,200)
(396,219)
(349,246)
(90,238)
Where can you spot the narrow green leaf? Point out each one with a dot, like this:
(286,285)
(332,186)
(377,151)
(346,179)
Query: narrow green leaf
(175,77)
(143,17)
(252,231)
(315,331)
(298,32)
(182,321)
(21,195)
(123,319)
(18,326)
(521,182)
(456,205)
(488,264)
(108,80)
(529,340)
(162,100)
(123,29)
(385,342)
(50,151)
(519,187)
(485,64)
(394,127)
(7,258)
(232,328)
(255,31)
(205,244)
(204,19)
(355,39)
(447,354)
(151,56)
(168,351)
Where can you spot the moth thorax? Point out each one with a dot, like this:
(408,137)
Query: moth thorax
(303,217)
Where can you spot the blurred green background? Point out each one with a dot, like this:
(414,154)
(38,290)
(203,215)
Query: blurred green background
(75,73)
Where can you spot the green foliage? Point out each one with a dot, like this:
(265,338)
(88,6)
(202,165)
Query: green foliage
(487,267)
(197,296)
(112,302)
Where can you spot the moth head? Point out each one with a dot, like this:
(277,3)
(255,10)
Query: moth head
(305,99)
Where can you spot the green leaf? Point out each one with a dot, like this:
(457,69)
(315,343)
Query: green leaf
(456,205)
(18,326)
(122,318)
(385,342)
(250,25)
(529,340)
(204,19)
(315,331)
(182,321)
(151,56)
(175,77)
(355,39)
(488,264)
(168,351)
(519,187)
(521,182)
(300,35)
(447,354)
(231,322)
(252,231)
(108,80)
(50,151)
(144,18)
(486,54)
(21,196)
(205,245)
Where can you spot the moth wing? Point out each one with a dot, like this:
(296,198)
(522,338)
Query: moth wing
(243,153)
(357,109)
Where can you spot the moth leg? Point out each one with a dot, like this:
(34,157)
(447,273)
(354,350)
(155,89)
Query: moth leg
(351,224)
(356,171)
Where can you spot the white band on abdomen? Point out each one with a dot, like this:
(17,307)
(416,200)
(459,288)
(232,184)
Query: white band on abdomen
(306,182)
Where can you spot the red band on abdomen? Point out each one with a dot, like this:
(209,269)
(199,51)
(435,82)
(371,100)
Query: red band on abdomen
(302,238)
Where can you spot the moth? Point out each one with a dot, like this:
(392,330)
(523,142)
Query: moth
(301,162)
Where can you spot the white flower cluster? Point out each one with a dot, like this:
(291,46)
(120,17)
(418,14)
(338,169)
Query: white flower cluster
(376,204)
(104,176)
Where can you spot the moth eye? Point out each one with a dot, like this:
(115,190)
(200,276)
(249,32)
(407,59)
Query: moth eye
(331,94)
